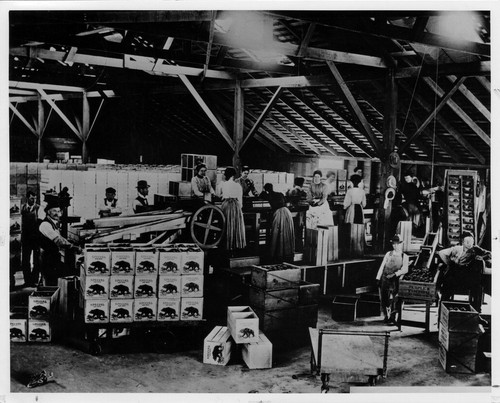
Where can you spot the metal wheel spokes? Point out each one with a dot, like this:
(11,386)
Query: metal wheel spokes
(207,226)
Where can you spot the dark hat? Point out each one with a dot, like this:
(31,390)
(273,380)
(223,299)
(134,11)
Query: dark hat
(298,181)
(245,168)
(142,184)
(110,190)
(52,203)
(466,234)
(396,239)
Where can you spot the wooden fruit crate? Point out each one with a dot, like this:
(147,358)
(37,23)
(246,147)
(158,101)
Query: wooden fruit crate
(418,290)
(459,317)
(275,277)
(274,299)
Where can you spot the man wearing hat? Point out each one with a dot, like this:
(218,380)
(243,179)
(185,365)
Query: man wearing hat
(109,207)
(51,243)
(462,270)
(141,202)
(394,265)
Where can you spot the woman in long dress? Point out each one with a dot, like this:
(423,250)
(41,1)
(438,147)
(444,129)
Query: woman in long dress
(319,211)
(232,202)
(354,201)
(282,241)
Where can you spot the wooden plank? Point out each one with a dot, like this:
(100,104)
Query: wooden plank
(263,115)
(23,119)
(209,45)
(307,38)
(122,221)
(353,106)
(207,111)
(472,99)
(445,99)
(239,124)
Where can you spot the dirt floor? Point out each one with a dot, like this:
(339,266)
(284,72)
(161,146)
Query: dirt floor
(127,366)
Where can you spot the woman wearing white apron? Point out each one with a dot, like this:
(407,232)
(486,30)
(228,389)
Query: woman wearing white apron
(319,211)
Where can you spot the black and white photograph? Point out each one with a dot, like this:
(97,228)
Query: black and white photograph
(265,198)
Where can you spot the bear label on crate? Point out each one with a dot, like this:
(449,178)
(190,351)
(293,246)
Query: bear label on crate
(191,308)
(121,287)
(96,287)
(243,324)
(192,286)
(96,261)
(122,261)
(145,286)
(18,328)
(217,346)
(146,261)
(96,311)
(40,304)
(192,259)
(145,309)
(169,286)
(121,311)
(168,309)
(169,261)
(39,331)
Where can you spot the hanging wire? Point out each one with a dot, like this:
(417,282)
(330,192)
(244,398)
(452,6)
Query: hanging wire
(413,93)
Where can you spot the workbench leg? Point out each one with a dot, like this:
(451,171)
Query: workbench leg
(427,316)
(325,380)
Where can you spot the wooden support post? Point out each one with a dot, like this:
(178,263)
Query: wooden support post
(239,120)
(85,127)
(40,129)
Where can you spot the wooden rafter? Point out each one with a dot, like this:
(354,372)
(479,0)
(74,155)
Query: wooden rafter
(443,101)
(354,108)
(274,99)
(419,27)
(207,111)
(22,119)
(209,45)
(307,38)
(472,99)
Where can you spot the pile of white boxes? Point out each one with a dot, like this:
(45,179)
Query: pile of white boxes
(242,329)
(123,283)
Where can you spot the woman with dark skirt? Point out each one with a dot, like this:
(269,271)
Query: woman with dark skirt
(232,201)
(282,240)
(354,201)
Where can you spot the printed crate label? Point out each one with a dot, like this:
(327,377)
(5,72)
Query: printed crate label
(146,261)
(169,286)
(191,308)
(39,331)
(96,311)
(169,309)
(121,311)
(121,287)
(95,287)
(145,286)
(122,261)
(192,259)
(18,329)
(217,346)
(192,286)
(243,323)
(40,304)
(97,262)
(169,261)
(145,309)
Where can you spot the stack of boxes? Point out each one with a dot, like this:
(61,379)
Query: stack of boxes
(127,283)
(15,229)
(41,308)
(459,333)
(18,326)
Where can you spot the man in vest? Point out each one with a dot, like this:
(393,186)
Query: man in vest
(141,202)
(29,239)
(51,244)
(109,207)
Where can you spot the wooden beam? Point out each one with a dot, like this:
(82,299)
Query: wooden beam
(391,113)
(445,124)
(307,38)
(209,45)
(443,101)
(473,69)
(263,115)
(239,122)
(40,129)
(352,105)
(459,111)
(485,83)
(85,128)
(207,111)
(419,27)
(221,54)
(64,97)
(70,56)
(48,87)
(23,119)
(472,99)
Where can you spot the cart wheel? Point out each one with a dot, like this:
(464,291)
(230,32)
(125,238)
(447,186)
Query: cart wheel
(207,226)
(95,348)
(165,342)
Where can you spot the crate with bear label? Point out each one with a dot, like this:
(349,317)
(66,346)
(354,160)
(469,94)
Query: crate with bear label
(145,309)
(96,261)
(191,308)
(145,286)
(169,261)
(41,303)
(146,261)
(95,287)
(217,346)
(258,355)
(39,331)
(243,323)
(121,311)
(96,311)
(192,258)
(18,330)
(122,261)
(121,287)
(169,286)
(192,286)
(168,309)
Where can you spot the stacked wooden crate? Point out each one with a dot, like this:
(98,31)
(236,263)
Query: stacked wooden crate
(15,232)
(317,246)
(281,300)
(459,333)
(41,310)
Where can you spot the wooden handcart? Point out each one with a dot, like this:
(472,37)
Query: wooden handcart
(350,354)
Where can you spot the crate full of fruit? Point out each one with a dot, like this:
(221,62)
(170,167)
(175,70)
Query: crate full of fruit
(419,284)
